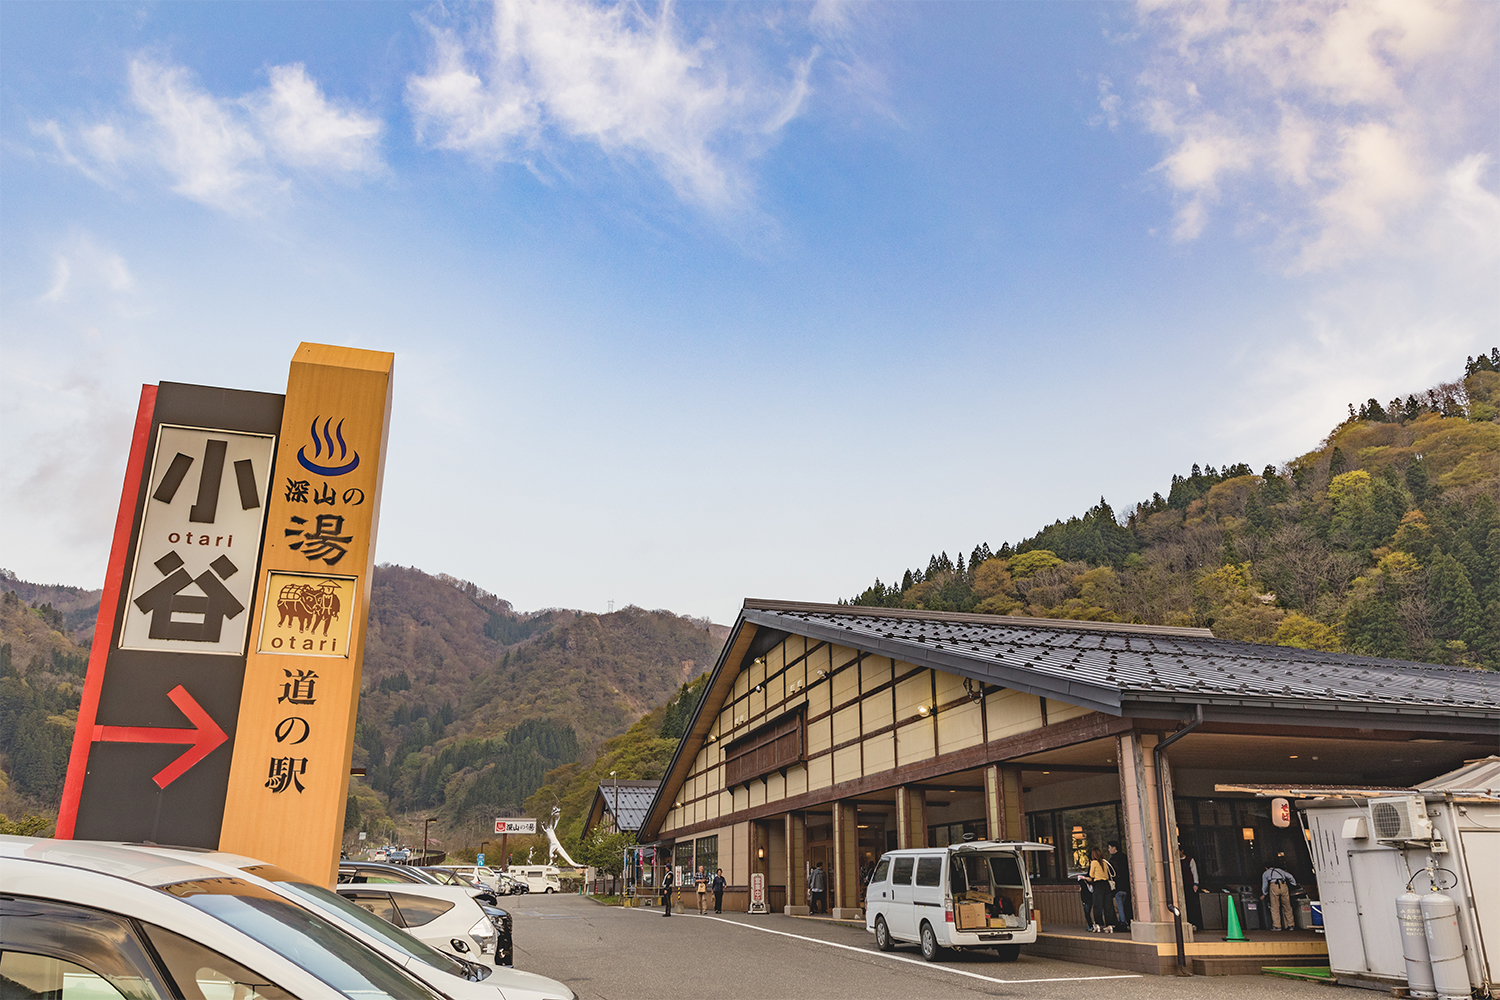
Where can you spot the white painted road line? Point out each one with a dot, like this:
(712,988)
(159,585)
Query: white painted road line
(920,962)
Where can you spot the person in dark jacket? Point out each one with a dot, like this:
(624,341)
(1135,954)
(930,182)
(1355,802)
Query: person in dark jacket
(718,887)
(668,884)
(817,886)
(1121,865)
(1190,888)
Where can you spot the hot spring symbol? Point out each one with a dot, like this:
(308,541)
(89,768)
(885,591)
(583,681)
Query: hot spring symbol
(318,449)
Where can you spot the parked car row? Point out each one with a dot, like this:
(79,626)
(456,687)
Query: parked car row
(91,919)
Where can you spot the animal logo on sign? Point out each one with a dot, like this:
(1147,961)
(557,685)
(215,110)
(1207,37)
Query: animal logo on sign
(309,605)
(318,448)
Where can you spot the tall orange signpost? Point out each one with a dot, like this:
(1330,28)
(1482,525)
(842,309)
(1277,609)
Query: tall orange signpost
(289,777)
(219,705)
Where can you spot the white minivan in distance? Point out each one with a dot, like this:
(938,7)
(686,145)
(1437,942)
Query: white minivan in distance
(970,895)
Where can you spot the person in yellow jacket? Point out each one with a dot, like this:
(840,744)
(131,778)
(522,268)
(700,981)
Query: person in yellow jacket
(1102,882)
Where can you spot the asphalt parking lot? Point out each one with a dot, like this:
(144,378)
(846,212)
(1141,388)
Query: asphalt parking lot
(610,953)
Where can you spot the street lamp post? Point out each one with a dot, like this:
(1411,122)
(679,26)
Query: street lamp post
(425,824)
(616,776)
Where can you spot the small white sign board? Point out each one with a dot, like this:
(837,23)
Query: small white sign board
(194,574)
(758,893)
(515,826)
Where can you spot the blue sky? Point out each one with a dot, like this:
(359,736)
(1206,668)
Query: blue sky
(699,302)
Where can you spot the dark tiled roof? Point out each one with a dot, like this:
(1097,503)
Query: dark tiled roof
(1111,667)
(635,799)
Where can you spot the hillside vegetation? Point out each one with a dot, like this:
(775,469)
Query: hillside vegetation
(466,704)
(1384,540)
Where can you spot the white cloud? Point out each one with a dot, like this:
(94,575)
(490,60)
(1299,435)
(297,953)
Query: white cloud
(306,130)
(1333,122)
(537,72)
(86,267)
(231,153)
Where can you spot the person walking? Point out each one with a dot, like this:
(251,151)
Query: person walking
(668,883)
(718,887)
(1190,888)
(1121,865)
(817,887)
(1101,879)
(1276,888)
(700,882)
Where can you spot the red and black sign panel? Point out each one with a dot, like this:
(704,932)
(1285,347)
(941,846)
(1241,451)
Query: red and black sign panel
(155,732)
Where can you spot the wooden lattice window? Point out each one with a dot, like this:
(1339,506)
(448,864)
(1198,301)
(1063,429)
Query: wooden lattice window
(773,747)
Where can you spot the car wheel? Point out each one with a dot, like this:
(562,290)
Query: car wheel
(883,935)
(930,950)
(550,890)
(1008,952)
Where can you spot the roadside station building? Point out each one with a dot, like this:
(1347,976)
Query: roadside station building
(829,734)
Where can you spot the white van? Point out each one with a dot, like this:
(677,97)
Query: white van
(970,895)
(541,878)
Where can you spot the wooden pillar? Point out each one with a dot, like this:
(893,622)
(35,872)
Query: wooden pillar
(911,816)
(1004,812)
(1153,865)
(844,879)
(796,864)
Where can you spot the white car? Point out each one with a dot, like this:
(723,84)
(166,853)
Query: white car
(443,916)
(970,895)
(90,920)
(482,874)
(455,977)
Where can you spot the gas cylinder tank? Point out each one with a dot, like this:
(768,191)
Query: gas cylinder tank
(1445,946)
(1414,946)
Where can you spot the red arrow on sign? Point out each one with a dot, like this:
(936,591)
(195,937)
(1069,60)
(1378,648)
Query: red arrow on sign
(205,736)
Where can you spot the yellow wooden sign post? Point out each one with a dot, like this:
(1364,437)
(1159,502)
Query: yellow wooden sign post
(289,779)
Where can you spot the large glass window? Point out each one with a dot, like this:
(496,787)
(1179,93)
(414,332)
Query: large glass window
(1233,841)
(706,854)
(1074,833)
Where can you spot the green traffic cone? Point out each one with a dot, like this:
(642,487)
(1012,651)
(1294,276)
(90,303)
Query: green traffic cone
(1236,933)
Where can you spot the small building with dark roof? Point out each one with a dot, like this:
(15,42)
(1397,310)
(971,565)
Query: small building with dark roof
(620,807)
(830,734)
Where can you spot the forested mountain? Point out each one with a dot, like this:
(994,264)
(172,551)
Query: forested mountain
(41,676)
(466,704)
(1383,540)
(641,753)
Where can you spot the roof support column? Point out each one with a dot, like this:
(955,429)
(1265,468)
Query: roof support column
(911,816)
(845,881)
(796,865)
(1152,864)
(1004,814)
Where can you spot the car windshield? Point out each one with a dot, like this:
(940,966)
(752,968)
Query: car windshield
(382,930)
(301,937)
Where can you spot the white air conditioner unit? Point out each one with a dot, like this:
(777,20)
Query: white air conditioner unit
(1400,818)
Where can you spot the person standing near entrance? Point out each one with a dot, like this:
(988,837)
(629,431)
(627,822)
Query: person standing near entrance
(1121,865)
(718,888)
(700,882)
(668,883)
(1190,888)
(1101,884)
(1276,888)
(817,887)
